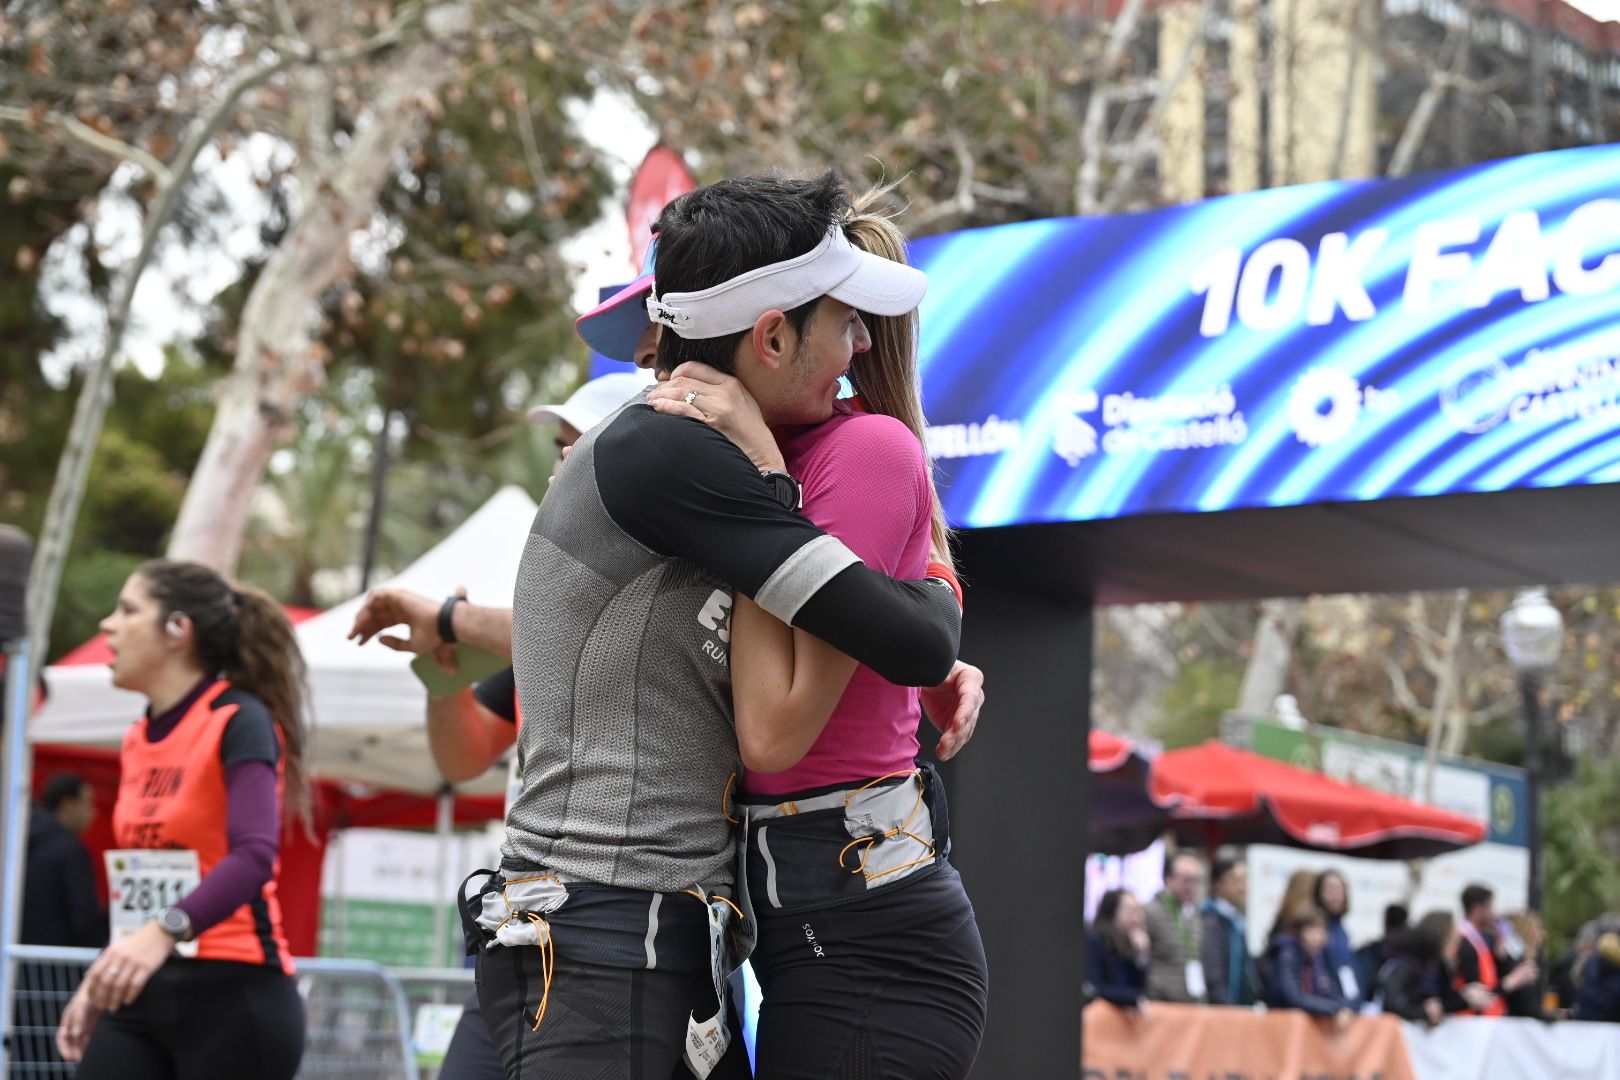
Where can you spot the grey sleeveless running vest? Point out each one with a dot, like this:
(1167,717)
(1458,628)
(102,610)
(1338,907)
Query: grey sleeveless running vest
(621,657)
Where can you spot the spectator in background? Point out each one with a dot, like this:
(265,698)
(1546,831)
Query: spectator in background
(1299,893)
(1175,932)
(1300,975)
(1479,967)
(1564,979)
(1443,925)
(1117,951)
(1371,956)
(1598,996)
(60,907)
(1228,968)
(59,893)
(1523,946)
(1333,897)
(1410,981)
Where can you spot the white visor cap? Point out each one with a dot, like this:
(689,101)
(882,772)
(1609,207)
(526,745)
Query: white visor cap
(834,267)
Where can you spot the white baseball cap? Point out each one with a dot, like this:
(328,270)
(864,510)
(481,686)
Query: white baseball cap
(593,402)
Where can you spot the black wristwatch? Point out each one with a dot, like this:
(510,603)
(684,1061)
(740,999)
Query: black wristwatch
(175,922)
(447,621)
(786,489)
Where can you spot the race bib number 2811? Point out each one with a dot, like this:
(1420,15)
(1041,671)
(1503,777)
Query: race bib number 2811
(142,882)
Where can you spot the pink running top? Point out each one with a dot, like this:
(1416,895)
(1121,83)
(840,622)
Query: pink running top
(866,482)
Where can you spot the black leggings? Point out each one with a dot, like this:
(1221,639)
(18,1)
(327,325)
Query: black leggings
(202,1020)
(472,1054)
(892,987)
(601,1022)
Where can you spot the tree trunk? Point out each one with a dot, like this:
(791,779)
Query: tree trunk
(1445,717)
(274,367)
(1267,673)
(95,398)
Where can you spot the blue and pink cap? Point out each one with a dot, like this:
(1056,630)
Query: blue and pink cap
(614,326)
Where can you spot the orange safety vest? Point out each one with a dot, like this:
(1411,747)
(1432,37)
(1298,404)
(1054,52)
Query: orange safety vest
(1488,977)
(172,795)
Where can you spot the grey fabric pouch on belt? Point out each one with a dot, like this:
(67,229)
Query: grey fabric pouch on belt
(496,910)
(836,847)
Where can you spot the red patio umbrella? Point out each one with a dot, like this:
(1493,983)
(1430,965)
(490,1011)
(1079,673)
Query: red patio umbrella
(1125,817)
(1232,796)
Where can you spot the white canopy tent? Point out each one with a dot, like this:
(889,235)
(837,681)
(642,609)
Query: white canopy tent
(367,707)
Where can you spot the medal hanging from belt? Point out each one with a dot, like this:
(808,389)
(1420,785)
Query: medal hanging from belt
(707,1040)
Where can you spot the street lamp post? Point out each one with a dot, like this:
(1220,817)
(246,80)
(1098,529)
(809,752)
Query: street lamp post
(1533,636)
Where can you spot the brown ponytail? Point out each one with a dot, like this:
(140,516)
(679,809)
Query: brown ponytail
(886,378)
(243,635)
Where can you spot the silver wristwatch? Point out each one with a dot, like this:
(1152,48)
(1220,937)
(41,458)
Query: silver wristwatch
(784,488)
(175,922)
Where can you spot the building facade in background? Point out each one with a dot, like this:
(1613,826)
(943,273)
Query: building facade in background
(1264,93)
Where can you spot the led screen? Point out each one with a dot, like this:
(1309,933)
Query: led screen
(1330,342)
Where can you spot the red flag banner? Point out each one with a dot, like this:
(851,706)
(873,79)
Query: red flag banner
(661,177)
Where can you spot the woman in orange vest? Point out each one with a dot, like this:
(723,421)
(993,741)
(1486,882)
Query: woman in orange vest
(198,980)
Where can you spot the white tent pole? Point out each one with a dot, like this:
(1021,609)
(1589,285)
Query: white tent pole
(17,779)
(341,923)
(441,915)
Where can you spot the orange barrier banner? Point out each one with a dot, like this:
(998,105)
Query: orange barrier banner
(1187,1042)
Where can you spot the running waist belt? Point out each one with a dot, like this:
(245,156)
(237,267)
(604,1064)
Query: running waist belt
(830,847)
(514,908)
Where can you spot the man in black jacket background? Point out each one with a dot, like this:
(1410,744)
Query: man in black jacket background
(60,907)
(59,891)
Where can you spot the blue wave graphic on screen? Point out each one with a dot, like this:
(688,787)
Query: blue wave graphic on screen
(1033,333)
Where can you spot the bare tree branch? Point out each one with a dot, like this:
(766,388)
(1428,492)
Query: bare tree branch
(1161,102)
(1087,178)
(1442,81)
(88,135)
(1403,692)
(963,201)
(1444,693)
(285,20)
(1000,194)
(531,145)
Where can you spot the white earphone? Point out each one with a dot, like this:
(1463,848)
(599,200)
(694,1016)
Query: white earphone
(175,625)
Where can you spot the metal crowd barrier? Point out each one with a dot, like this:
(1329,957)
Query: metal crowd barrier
(359,1024)
(444,990)
(359,1020)
(45,979)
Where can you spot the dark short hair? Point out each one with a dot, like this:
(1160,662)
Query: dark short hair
(1396,917)
(60,788)
(1474,896)
(730,227)
(1222,867)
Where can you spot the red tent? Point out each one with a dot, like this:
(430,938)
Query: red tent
(1125,817)
(1109,752)
(1233,796)
(337,806)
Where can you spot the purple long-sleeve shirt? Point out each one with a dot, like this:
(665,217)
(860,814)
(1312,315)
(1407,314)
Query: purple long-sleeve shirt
(249,752)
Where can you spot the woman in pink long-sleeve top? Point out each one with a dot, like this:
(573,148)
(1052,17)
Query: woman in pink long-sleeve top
(869,955)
